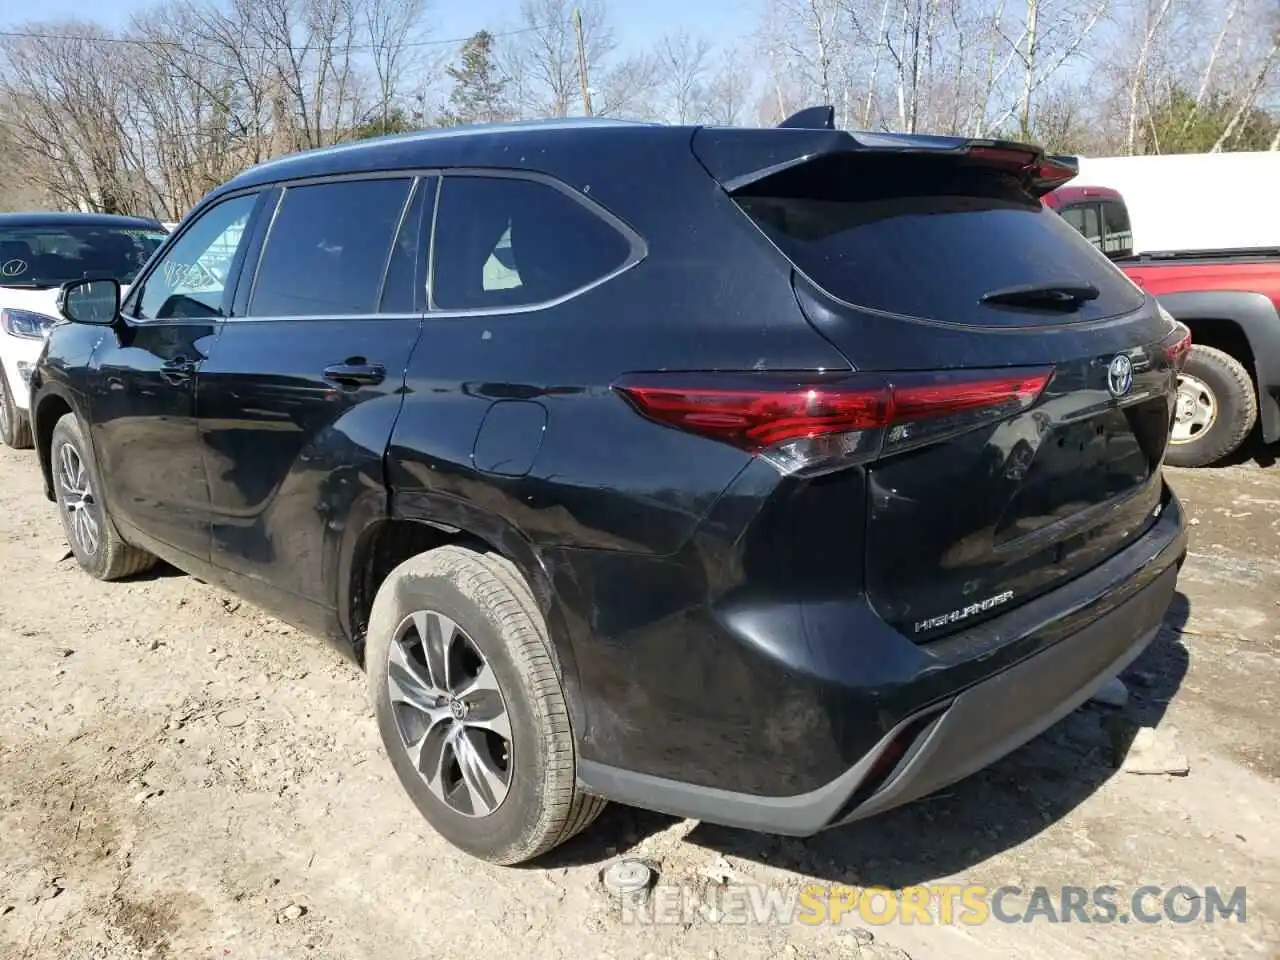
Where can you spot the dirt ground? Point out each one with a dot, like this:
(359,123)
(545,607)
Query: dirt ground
(182,776)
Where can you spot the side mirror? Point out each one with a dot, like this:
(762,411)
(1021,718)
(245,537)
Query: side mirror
(90,301)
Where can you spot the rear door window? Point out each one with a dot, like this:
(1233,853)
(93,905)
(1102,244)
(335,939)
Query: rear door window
(328,249)
(927,237)
(506,242)
(405,287)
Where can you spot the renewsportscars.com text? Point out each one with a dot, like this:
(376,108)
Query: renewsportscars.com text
(817,904)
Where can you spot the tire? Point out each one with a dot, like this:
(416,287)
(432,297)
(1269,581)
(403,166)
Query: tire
(15,428)
(104,556)
(1220,381)
(483,606)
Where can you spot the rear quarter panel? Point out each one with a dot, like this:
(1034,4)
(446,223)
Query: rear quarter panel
(602,483)
(708,294)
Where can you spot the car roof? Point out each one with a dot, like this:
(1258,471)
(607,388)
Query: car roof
(481,145)
(52,219)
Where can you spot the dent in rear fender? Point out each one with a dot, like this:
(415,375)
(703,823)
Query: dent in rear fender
(553,594)
(1259,318)
(603,477)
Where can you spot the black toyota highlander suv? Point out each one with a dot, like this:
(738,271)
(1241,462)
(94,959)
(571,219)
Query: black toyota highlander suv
(771,477)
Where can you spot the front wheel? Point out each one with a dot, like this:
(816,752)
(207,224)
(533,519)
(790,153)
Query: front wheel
(470,706)
(1216,408)
(97,545)
(15,431)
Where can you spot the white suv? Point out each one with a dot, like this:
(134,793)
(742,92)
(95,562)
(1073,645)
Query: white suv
(38,253)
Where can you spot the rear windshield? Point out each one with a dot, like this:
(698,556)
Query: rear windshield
(928,237)
(38,257)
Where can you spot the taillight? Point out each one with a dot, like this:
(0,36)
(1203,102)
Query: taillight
(1177,347)
(813,424)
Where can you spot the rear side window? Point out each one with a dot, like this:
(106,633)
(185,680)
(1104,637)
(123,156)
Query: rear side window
(927,237)
(1086,221)
(1117,234)
(502,242)
(328,249)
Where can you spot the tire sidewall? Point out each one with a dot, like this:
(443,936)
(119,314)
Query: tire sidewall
(514,824)
(1233,407)
(8,430)
(67,432)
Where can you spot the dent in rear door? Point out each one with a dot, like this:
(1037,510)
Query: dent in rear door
(295,407)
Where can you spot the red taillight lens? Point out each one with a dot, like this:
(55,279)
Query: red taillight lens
(1177,347)
(816,424)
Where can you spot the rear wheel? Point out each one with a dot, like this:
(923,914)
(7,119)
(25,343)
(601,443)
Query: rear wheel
(15,431)
(1216,409)
(470,706)
(97,545)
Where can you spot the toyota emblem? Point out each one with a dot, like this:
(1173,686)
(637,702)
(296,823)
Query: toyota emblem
(1120,376)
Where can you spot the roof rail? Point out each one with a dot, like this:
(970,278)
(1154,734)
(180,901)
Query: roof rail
(812,118)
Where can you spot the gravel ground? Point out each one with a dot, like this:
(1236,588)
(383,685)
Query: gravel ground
(182,776)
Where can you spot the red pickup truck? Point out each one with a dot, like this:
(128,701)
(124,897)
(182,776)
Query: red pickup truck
(1230,300)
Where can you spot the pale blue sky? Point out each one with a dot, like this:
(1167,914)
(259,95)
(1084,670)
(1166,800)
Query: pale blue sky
(638,22)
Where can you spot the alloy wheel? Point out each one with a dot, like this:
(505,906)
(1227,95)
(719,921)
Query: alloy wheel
(1196,411)
(450,713)
(78,501)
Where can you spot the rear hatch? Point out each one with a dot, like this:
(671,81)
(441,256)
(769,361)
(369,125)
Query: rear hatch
(933,267)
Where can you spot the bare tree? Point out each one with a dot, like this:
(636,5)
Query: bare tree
(545,55)
(628,88)
(728,91)
(1156,11)
(1206,77)
(65,92)
(1250,95)
(391,26)
(149,118)
(685,62)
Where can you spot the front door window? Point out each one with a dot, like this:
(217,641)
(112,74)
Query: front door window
(190,281)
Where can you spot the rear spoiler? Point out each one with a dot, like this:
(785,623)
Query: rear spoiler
(740,157)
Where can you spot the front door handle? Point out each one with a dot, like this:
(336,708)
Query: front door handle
(177,370)
(355,372)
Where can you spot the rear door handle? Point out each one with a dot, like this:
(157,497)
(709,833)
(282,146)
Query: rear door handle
(355,373)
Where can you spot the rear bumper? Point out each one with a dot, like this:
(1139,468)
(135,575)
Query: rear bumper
(1077,638)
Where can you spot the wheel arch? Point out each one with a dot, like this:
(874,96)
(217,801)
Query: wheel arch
(1245,325)
(52,405)
(420,522)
